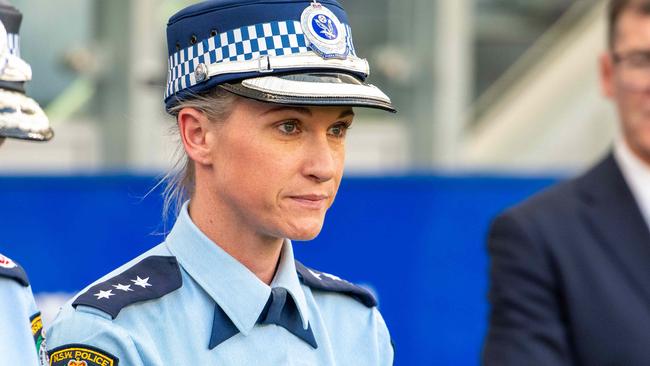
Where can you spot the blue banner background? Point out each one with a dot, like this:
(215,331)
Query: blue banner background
(417,241)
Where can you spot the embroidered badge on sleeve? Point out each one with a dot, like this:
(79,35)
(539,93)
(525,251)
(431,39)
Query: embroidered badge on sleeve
(39,338)
(81,355)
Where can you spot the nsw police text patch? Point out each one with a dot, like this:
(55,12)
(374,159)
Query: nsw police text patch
(81,355)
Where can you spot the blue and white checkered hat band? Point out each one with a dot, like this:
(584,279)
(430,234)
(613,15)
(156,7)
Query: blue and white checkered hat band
(282,38)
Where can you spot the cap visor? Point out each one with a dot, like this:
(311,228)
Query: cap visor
(22,118)
(318,89)
(17,133)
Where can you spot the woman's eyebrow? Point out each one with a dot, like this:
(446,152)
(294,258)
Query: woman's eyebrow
(345,113)
(301,110)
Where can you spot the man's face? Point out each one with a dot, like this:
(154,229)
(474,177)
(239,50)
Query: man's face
(277,168)
(625,78)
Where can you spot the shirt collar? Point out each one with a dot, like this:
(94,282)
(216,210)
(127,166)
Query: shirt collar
(236,289)
(286,276)
(637,176)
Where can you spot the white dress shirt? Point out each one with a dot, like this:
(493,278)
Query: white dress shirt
(637,175)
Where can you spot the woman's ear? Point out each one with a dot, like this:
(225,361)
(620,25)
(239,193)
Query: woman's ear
(194,126)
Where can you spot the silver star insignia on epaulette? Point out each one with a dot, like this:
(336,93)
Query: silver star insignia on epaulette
(125,288)
(142,282)
(104,294)
(320,275)
(317,275)
(335,278)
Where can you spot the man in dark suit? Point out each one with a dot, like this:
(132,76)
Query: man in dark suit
(570,267)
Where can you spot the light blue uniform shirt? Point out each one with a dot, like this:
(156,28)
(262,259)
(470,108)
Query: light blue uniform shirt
(21,328)
(168,306)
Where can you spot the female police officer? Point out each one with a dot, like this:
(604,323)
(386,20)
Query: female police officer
(21,328)
(262,91)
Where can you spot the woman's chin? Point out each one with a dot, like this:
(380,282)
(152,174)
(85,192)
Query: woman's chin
(304,231)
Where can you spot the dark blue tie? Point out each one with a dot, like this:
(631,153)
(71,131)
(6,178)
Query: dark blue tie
(280,310)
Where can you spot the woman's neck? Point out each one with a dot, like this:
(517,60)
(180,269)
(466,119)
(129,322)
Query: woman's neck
(260,254)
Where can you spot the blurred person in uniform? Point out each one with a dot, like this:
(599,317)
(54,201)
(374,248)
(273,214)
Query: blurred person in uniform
(570,267)
(21,331)
(263,94)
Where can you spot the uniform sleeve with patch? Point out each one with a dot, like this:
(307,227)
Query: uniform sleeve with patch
(16,308)
(87,337)
(89,329)
(21,331)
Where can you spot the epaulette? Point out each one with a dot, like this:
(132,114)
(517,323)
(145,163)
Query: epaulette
(327,282)
(11,269)
(151,278)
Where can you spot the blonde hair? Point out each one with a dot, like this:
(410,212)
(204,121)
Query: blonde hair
(216,104)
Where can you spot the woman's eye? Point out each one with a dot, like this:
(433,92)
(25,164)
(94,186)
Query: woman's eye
(339,130)
(289,127)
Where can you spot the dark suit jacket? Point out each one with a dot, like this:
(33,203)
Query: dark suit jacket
(570,277)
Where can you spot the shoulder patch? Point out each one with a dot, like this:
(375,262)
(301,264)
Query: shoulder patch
(39,337)
(151,278)
(11,269)
(327,282)
(81,355)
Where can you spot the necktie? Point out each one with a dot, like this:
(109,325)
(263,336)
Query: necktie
(280,309)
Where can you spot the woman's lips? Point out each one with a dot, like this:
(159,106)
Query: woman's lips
(311,201)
